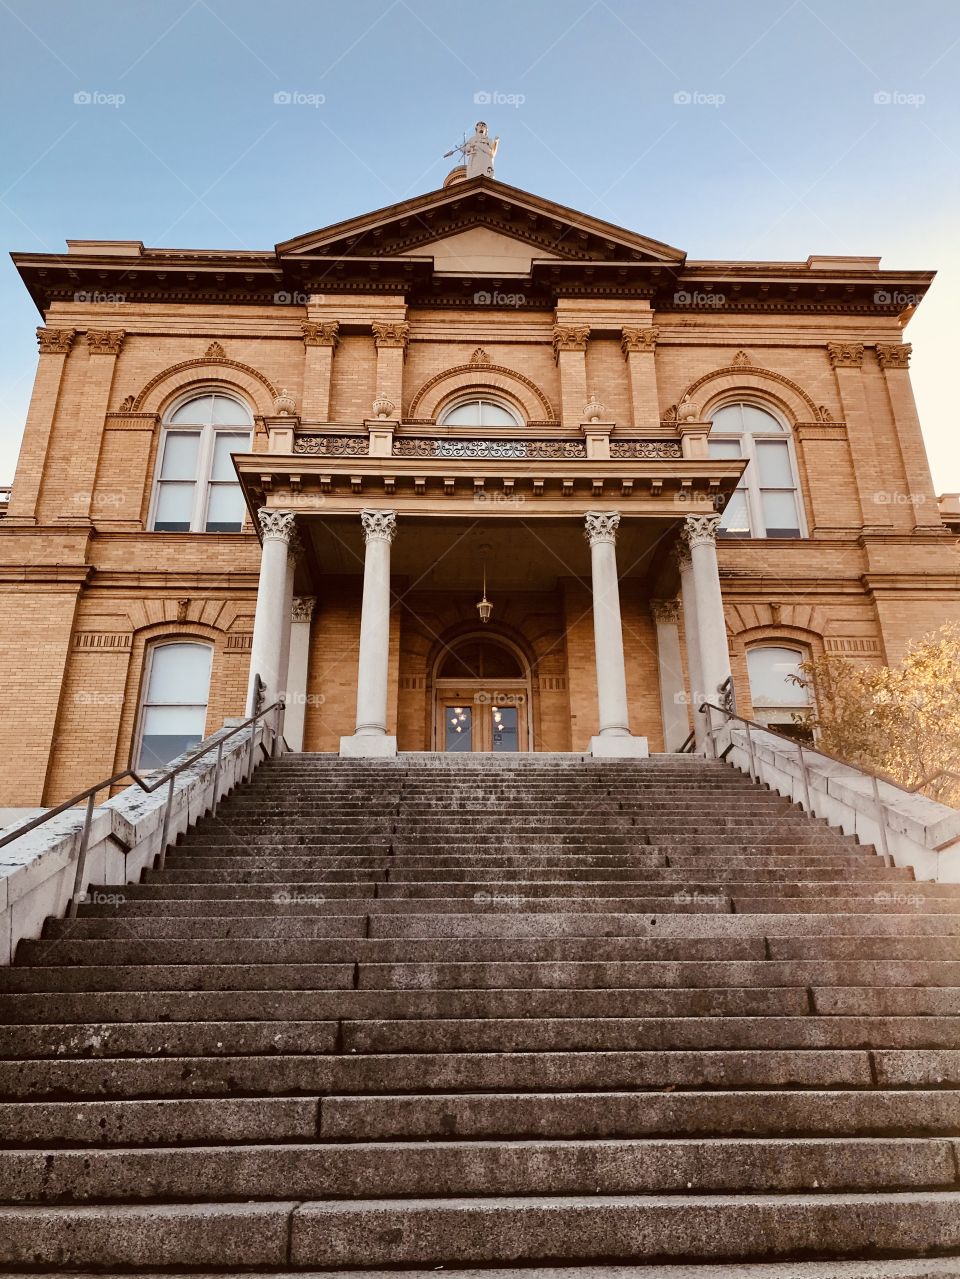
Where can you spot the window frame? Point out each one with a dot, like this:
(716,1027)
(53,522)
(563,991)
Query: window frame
(750,480)
(804,654)
(203,481)
(153,646)
(463,401)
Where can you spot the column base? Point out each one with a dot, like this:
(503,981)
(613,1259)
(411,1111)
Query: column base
(368,745)
(626,747)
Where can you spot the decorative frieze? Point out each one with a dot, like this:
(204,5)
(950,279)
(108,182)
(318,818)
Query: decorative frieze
(851,644)
(632,340)
(601,526)
(392,333)
(102,641)
(320,332)
(240,642)
(332,445)
(496,450)
(570,337)
(55,341)
(894,355)
(648,450)
(105,341)
(845,355)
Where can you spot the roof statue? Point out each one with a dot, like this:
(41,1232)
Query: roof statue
(478,152)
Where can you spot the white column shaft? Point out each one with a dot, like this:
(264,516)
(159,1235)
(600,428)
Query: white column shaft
(298,670)
(672,697)
(711,623)
(691,635)
(374,660)
(284,675)
(608,641)
(272,614)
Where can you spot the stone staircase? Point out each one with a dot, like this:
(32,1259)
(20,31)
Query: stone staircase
(591,1018)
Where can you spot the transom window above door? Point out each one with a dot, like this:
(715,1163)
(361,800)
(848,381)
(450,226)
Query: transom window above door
(197,489)
(766,502)
(479,412)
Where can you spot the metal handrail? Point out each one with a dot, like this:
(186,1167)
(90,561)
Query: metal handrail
(708,708)
(168,777)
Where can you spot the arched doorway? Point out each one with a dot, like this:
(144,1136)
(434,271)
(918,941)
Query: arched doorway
(481,696)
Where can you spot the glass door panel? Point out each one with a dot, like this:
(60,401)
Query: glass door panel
(504,728)
(458,728)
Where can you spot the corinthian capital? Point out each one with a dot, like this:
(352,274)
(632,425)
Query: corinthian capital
(55,341)
(665,610)
(639,339)
(601,526)
(894,355)
(378,525)
(320,333)
(105,341)
(845,355)
(392,333)
(570,337)
(277,525)
(701,530)
(301,610)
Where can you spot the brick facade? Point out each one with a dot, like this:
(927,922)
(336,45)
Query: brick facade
(88,587)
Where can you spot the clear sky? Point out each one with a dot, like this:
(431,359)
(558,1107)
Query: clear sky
(729,128)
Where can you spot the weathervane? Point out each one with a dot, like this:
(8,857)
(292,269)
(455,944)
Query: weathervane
(478,152)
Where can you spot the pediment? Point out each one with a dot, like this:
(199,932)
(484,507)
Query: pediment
(481,225)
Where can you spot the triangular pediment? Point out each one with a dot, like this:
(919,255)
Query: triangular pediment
(481,226)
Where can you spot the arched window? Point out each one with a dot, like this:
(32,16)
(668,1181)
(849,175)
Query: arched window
(479,412)
(480,659)
(766,501)
(776,697)
(197,489)
(174,709)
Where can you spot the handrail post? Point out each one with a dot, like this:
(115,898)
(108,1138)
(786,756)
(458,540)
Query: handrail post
(216,779)
(81,857)
(167,814)
(710,731)
(750,751)
(252,746)
(275,744)
(805,779)
(881,822)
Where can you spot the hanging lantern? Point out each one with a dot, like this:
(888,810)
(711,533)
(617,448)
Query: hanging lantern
(484,608)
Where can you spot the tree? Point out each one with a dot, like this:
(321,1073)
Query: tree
(902,720)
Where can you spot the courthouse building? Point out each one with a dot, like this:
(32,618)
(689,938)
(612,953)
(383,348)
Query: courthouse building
(472,472)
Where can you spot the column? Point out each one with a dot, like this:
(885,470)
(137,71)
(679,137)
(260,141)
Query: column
(701,535)
(673,699)
(55,345)
(301,616)
(320,340)
(570,350)
(370,736)
(638,347)
(103,347)
(691,639)
(294,548)
(271,619)
(391,340)
(894,359)
(614,737)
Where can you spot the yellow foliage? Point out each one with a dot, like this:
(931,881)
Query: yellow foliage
(902,720)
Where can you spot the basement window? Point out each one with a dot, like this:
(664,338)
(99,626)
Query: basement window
(197,489)
(173,715)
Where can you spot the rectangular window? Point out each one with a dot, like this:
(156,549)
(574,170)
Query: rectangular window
(735,516)
(177,489)
(175,707)
(224,499)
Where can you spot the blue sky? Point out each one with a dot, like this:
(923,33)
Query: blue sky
(812,126)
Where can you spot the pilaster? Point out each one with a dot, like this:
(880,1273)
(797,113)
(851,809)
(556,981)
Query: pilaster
(54,346)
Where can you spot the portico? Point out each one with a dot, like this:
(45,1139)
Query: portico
(612,612)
